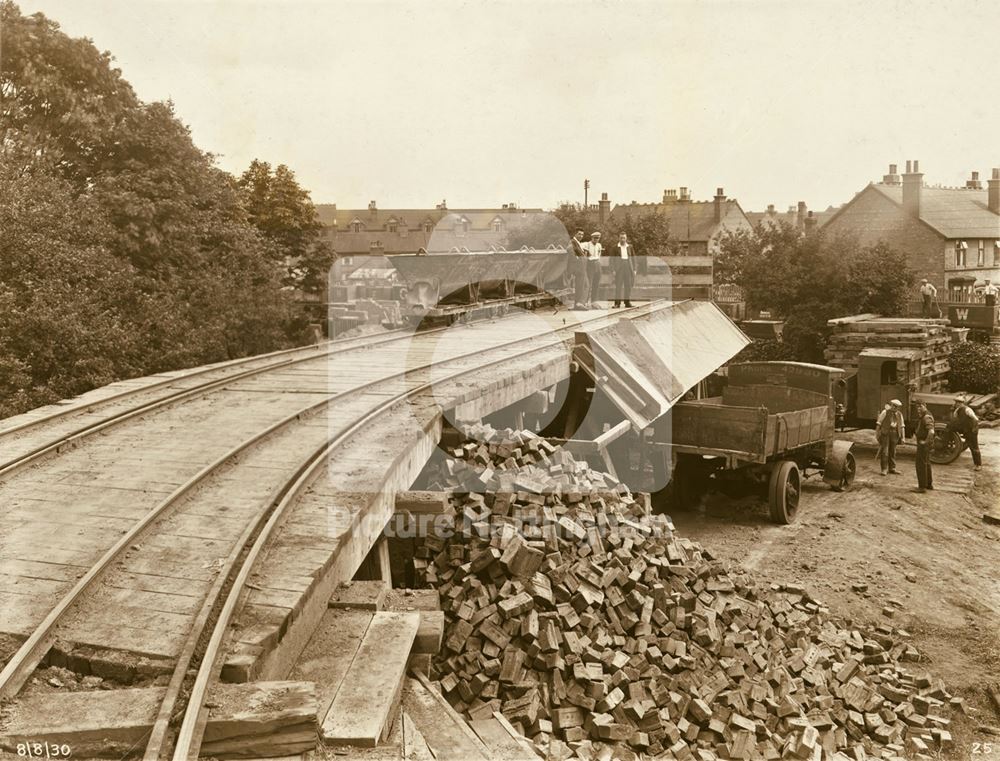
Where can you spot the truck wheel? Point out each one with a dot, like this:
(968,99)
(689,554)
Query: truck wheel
(946,447)
(847,473)
(783,492)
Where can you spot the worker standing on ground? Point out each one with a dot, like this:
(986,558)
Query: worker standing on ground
(927,294)
(925,436)
(964,421)
(578,270)
(889,430)
(594,251)
(623,264)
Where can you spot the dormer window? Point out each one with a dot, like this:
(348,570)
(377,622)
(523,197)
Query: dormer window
(497,225)
(356,226)
(428,227)
(393,226)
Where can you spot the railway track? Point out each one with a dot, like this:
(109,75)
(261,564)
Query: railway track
(29,440)
(208,613)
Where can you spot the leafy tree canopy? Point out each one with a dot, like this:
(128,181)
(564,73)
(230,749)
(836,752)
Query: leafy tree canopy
(284,213)
(124,250)
(809,279)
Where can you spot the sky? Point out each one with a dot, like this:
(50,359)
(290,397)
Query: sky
(483,103)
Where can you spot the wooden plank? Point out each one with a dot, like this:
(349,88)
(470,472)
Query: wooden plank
(260,719)
(502,744)
(444,730)
(710,427)
(422,502)
(93,723)
(330,652)
(365,706)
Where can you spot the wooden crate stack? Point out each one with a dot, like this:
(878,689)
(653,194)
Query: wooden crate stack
(932,337)
(599,633)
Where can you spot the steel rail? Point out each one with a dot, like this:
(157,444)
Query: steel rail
(189,736)
(185,375)
(20,666)
(73,437)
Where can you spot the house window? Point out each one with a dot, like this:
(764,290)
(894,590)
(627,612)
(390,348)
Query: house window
(996,253)
(497,226)
(356,226)
(981,258)
(393,226)
(427,227)
(961,253)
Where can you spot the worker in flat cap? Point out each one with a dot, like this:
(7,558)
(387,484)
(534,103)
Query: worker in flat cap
(594,251)
(889,431)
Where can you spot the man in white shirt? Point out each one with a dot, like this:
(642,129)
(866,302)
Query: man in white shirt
(623,263)
(594,251)
(927,293)
(890,429)
(990,292)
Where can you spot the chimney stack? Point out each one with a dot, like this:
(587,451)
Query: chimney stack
(893,177)
(770,210)
(974,183)
(913,184)
(684,196)
(372,209)
(800,216)
(994,192)
(720,203)
(811,222)
(603,209)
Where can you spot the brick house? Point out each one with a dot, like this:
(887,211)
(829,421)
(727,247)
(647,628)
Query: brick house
(697,228)
(398,231)
(951,236)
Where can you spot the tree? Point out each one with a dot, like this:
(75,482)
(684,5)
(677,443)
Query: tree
(283,212)
(809,279)
(61,101)
(124,250)
(648,231)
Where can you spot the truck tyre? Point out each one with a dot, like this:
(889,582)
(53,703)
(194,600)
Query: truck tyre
(783,492)
(946,447)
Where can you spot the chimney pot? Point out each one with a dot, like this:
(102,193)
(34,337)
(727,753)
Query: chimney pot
(892,169)
(913,183)
(993,192)
(720,200)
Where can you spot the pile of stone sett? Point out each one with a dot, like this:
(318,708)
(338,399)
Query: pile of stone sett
(600,634)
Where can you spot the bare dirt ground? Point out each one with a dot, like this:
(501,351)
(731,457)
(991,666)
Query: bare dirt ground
(929,557)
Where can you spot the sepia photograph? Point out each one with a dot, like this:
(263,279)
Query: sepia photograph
(457,380)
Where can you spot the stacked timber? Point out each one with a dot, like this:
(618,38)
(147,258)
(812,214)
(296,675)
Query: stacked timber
(931,337)
(598,633)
